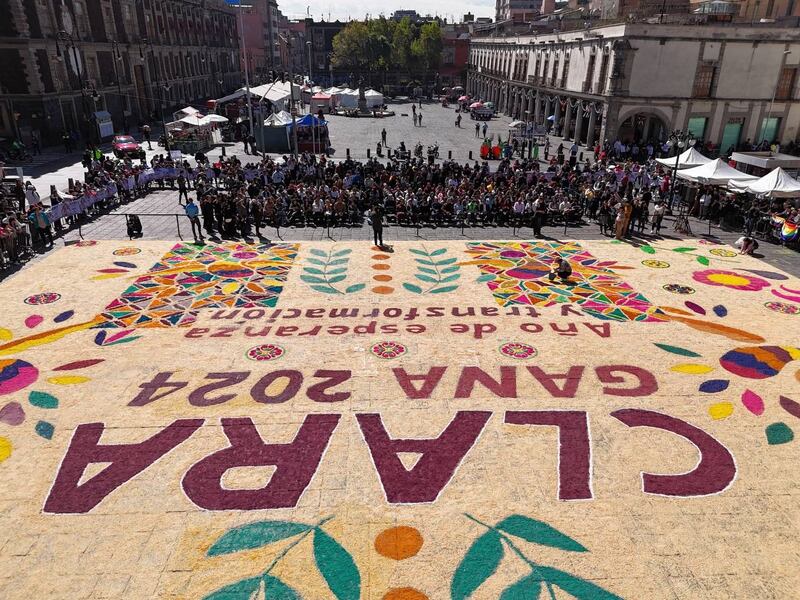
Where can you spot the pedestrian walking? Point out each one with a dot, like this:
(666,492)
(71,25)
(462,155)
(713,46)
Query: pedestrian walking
(458,120)
(146,134)
(36,143)
(67,141)
(485,129)
(419,118)
(192,213)
(477,129)
(183,190)
(414,118)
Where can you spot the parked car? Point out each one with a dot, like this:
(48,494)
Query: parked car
(126,145)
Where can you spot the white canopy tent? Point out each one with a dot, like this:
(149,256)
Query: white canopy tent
(374,99)
(716,172)
(199,121)
(686,159)
(347,98)
(775,184)
(277,93)
(279,119)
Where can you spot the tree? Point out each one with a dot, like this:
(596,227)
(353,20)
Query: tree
(402,37)
(427,48)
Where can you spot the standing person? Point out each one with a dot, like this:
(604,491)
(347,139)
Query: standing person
(419,118)
(383,136)
(67,141)
(477,129)
(414,118)
(485,129)
(207,209)
(183,190)
(146,134)
(458,120)
(252,141)
(40,224)
(19,195)
(658,215)
(36,143)
(192,211)
(376,218)
(546,148)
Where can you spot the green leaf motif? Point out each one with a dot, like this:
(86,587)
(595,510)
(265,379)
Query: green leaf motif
(444,289)
(241,590)
(647,248)
(703,260)
(438,251)
(452,269)
(325,288)
(485,277)
(418,252)
(427,270)
(577,587)
(527,588)
(336,566)
(275,589)
(255,535)
(318,252)
(479,563)
(428,278)
(339,261)
(344,252)
(538,532)
(336,278)
(446,261)
(42,400)
(450,278)
(316,261)
(683,249)
(312,279)
(356,287)
(424,261)
(313,270)
(413,288)
(337,270)
(676,350)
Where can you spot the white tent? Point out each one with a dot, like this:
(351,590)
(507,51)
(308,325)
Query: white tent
(516,124)
(374,99)
(279,119)
(714,172)
(775,184)
(196,120)
(216,118)
(348,98)
(686,159)
(277,93)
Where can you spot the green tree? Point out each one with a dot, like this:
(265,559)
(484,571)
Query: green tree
(427,48)
(402,37)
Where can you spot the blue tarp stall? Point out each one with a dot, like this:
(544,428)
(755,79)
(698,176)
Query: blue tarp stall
(312,134)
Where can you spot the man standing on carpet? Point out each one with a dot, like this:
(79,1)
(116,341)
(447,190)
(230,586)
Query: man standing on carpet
(376,219)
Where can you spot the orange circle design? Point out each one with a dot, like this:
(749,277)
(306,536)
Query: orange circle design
(405,593)
(383,289)
(381,267)
(382,277)
(381,256)
(398,543)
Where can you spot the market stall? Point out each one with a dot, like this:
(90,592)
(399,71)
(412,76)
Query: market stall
(715,172)
(374,99)
(194,132)
(312,134)
(775,184)
(687,159)
(320,101)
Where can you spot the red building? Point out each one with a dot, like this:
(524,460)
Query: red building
(455,54)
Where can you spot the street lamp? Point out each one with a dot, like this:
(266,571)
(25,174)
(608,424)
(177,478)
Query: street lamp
(771,102)
(80,74)
(162,87)
(308,46)
(679,140)
(118,58)
(292,107)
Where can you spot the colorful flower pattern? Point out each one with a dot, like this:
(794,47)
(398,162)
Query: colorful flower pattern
(677,288)
(265,352)
(518,350)
(388,350)
(730,279)
(43,298)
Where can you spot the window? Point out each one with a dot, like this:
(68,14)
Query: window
(565,73)
(786,82)
(704,80)
(769,128)
(601,83)
(697,127)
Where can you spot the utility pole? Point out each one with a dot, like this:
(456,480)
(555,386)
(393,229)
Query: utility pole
(291,95)
(117,58)
(243,50)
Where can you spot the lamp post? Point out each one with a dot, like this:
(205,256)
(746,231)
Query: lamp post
(679,140)
(80,74)
(292,108)
(118,58)
(308,46)
(162,92)
(243,51)
(771,102)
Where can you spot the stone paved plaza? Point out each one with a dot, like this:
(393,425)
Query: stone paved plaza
(442,419)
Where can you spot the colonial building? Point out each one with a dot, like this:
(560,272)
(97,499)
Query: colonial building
(62,61)
(641,81)
(522,11)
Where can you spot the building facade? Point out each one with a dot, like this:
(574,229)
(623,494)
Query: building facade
(62,61)
(639,82)
(260,24)
(520,11)
(321,34)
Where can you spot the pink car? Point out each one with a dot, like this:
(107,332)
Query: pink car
(125,145)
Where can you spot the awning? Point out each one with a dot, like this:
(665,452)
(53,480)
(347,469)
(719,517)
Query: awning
(775,184)
(715,172)
(688,158)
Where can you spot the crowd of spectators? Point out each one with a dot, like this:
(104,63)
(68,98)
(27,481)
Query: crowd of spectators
(623,194)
